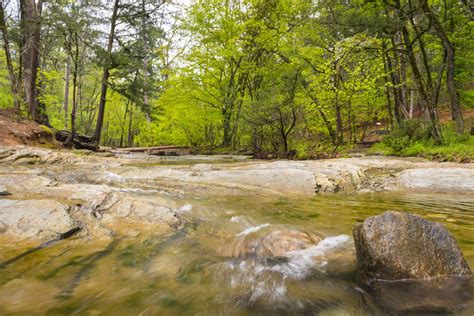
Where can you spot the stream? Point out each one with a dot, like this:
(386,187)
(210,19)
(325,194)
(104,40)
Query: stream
(187,271)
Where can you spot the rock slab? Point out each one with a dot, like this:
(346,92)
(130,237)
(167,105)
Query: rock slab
(43,219)
(396,245)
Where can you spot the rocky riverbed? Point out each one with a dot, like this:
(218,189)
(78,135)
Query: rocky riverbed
(99,193)
(161,235)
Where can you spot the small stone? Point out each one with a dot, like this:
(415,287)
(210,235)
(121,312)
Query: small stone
(3,191)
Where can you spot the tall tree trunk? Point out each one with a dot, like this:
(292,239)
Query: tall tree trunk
(402,62)
(75,61)
(146,65)
(11,73)
(339,131)
(66,93)
(450,67)
(412,103)
(130,125)
(122,132)
(395,84)
(387,89)
(80,104)
(426,98)
(31,13)
(399,62)
(105,75)
(226,122)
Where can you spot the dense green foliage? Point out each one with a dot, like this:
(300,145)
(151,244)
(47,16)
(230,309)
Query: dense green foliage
(413,139)
(274,77)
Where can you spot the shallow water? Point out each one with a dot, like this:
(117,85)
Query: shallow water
(145,160)
(185,273)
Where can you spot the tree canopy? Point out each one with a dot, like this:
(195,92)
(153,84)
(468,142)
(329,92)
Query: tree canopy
(279,77)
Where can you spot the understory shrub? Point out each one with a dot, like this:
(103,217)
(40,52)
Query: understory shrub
(413,138)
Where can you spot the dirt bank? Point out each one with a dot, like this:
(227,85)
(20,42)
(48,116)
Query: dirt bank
(17,131)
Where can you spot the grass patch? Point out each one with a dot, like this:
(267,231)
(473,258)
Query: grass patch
(458,148)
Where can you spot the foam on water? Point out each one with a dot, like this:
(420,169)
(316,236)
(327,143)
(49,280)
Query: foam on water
(301,262)
(138,190)
(268,281)
(111,176)
(253,229)
(239,219)
(186,208)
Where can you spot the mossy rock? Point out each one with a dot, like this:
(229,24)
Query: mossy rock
(46,130)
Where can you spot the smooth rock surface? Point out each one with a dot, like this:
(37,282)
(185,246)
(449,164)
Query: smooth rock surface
(99,209)
(396,245)
(42,219)
(437,179)
(283,177)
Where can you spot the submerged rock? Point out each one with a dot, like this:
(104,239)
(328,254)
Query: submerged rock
(278,243)
(265,243)
(290,252)
(42,219)
(396,245)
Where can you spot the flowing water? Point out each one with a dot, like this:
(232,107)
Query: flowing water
(185,272)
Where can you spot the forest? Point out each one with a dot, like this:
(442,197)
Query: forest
(275,78)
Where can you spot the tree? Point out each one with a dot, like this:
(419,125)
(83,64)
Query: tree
(106,72)
(31,29)
(450,63)
(6,47)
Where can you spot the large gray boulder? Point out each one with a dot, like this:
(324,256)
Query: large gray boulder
(395,246)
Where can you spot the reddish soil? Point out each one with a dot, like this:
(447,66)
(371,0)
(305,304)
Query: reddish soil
(17,131)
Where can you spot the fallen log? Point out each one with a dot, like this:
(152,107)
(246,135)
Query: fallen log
(79,141)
